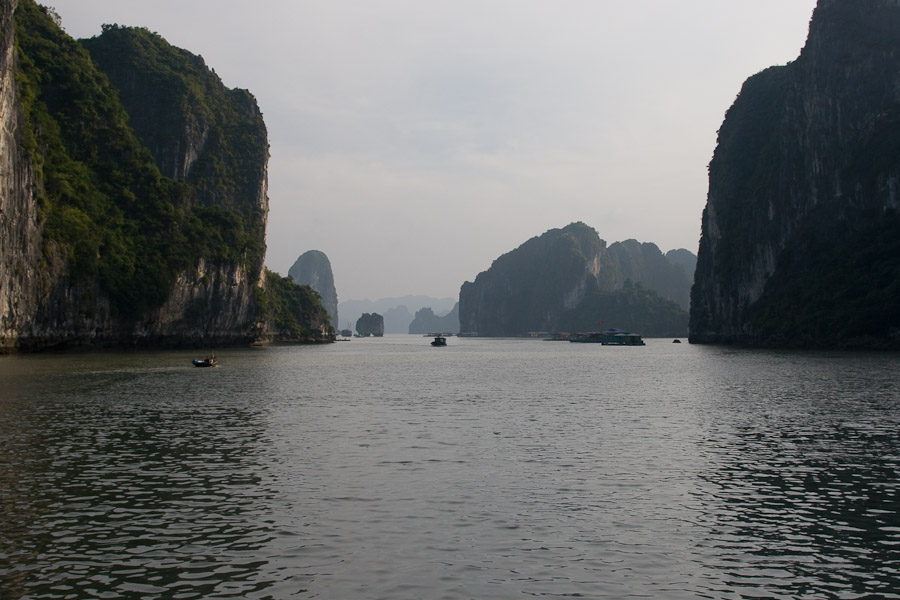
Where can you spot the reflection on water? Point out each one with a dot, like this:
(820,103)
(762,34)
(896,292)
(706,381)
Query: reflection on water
(118,477)
(487,469)
(802,498)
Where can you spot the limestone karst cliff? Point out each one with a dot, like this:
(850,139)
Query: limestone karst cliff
(198,131)
(97,246)
(800,237)
(313,268)
(20,241)
(568,280)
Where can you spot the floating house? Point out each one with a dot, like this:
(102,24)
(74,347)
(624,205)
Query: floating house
(610,337)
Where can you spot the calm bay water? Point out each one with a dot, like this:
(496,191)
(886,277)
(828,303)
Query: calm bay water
(488,469)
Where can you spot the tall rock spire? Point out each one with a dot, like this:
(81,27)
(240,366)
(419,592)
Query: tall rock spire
(314,269)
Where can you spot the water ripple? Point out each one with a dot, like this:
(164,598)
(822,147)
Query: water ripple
(496,469)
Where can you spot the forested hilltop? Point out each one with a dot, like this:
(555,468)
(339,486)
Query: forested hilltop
(567,280)
(801,232)
(134,197)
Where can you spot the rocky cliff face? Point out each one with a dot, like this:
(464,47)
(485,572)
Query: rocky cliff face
(96,246)
(212,306)
(568,280)
(802,205)
(198,130)
(20,239)
(313,268)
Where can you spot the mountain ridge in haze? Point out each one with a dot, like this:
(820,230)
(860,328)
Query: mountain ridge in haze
(398,312)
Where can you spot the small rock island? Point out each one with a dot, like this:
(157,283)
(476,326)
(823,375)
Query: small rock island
(370,324)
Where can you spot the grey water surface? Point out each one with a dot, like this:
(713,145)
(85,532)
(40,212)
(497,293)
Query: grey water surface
(489,469)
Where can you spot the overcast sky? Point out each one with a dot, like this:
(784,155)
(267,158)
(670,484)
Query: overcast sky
(415,141)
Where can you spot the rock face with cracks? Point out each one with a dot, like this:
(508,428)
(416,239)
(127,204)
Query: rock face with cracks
(118,228)
(800,237)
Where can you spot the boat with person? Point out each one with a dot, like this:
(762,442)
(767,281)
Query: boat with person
(209,361)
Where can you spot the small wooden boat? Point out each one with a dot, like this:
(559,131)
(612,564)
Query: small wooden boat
(209,361)
(439,340)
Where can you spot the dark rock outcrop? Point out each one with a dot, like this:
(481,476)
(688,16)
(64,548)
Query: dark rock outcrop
(313,268)
(567,280)
(370,324)
(426,321)
(800,238)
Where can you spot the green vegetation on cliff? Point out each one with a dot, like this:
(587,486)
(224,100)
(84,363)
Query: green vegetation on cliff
(848,286)
(291,309)
(104,202)
(197,130)
(145,168)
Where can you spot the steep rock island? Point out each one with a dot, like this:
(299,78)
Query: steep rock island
(800,241)
(133,201)
(568,280)
(313,268)
(370,324)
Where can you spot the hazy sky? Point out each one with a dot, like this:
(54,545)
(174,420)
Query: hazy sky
(415,141)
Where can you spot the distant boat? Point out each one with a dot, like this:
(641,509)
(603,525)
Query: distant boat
(559,337)
(610,337)
(623,339)
(439,340)
(209,361)
(676,341)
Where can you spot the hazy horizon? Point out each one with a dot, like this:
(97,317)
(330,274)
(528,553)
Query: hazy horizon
(414,143)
